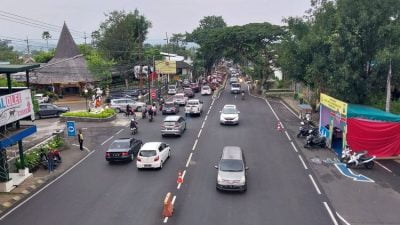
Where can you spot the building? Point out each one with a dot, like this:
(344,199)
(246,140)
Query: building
(67,72)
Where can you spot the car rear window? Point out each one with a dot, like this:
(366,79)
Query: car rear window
(119,145)
(206,88)
(169,105)
(147,153)
(235,85)
(192,103)
(169,123)
(231,165)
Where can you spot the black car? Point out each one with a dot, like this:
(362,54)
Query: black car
(50,110)
(123,149)
(188,92)
(170,108)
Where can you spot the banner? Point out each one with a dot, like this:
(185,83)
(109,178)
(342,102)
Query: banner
(165,67)
(16,106)
(334,104)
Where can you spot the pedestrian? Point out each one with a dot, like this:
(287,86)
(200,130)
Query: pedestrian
(128,110)
(50,161)
(144,111)
(154,109)
(151,113)
(80,139)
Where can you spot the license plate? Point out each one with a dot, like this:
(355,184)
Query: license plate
(169,128)
(147,165)
(116,154)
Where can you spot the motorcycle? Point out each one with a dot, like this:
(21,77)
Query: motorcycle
(44,161)
(360,159)
(346,154)
(315,141)
(134,130)
(242,95)
(151,117)
(306,130)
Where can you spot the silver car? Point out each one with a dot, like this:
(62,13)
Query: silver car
(232,175)
(173,125)
(120,104)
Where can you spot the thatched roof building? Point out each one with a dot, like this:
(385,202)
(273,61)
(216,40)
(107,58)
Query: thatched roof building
(67,72)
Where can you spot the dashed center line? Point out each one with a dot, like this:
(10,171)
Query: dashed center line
(199,133)
(195,144)
(188,161)
(287,135)
(206,118)
(107,140)
(302,161)
(315,184)
(294,147)
(202,125)
(119,131)
(330,213)
(273,111)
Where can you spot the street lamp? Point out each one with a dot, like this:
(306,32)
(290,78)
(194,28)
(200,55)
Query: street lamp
(86,93)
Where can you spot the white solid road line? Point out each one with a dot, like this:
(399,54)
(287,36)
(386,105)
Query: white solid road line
(315,184)
(165,219)
(273,111)
(287,135)
(107,140)
(183,174)
(384,167)
(188,161)
(294,147)
(330,213)
(342,219)
(46,186)
(206,118)
(302,161)
(119,131)
(290,110)
(195,144)
(173,200)
(198,136)
(179,186)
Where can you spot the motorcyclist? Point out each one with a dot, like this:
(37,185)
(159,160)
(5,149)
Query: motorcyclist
(242,94)
(134,124)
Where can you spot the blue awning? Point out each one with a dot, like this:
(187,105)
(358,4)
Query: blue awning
(16,136)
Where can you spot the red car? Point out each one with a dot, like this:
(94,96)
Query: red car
(195,87)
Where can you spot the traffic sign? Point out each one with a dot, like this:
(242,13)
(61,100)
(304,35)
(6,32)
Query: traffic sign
(153,93)
(71,128)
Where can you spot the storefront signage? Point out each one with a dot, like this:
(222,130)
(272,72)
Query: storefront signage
(165,66)
(334,104)
(15,106)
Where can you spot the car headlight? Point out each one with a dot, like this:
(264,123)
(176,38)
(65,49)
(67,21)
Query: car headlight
(221,118)
(242,180)
(219,180)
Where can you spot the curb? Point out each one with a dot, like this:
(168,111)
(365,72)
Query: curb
(87,119)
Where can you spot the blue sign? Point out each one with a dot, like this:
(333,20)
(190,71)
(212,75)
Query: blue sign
(348,173)
(71,128)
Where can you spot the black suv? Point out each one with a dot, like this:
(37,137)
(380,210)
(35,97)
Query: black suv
(123,149)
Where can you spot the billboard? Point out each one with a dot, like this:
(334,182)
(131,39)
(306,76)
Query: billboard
(334,104)
(165,67)
(16,106)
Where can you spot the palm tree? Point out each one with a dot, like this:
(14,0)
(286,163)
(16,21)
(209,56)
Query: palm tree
(46,36)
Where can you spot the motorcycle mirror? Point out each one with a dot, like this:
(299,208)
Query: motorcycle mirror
(302,123)
(216,167)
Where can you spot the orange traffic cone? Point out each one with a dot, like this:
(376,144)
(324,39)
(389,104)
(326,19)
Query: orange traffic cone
(180,178)
(279,126)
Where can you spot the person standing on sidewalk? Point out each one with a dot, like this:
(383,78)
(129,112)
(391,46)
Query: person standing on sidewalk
(50,161)
(80,139)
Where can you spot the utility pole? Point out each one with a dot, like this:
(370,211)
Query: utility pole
(169,59)
(27,45)
(84,37)
(389,87)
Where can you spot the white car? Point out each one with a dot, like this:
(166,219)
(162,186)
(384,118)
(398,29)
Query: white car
(180,99)
(235,88)
(206,90)
(153,155)
(120,104)
(233,80)
(41,98)
(194,107)
(229,115)
(172,89)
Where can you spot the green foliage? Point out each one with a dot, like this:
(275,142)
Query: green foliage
(43,56)
(3,83)
(84,114)
(34,102)
(7,53)
(32,158)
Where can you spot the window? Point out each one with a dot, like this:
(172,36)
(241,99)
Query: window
(43,107)
(148,153)
(231,165)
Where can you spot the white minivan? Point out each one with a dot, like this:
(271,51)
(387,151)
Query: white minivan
(153,155)
(172,89)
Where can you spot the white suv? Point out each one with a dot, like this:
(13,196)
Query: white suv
(172,89)
(235,88)
(205,90)
(229,115)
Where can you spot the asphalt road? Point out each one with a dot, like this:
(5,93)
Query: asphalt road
(96,193)
(280,190)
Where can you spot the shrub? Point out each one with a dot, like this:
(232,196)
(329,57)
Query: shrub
(103,114)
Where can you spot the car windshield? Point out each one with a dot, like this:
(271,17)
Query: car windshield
(235,85)
(171,87)
(119,145)
(187,90)
(169,105)
(231,165)
(147,153)
(229,111)
(192,103)
(206,87)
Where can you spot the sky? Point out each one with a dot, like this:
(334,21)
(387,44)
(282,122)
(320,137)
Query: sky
(172,16)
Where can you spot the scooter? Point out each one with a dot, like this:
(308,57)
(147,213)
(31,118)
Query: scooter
(151,117)
(346,154)
(360,159)
(242,95)
(306,130)
(315,141)
(134,130)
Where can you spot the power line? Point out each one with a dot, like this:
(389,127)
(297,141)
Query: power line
(38,21)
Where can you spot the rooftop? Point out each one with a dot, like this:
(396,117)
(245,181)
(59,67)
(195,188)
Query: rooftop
(17,68)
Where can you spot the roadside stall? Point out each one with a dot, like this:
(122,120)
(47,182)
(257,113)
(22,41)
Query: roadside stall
(360,127)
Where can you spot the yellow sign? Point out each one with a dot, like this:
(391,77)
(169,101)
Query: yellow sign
(165,67)
(334,104)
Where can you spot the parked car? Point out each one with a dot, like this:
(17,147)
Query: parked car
(41,98)
(120,104)
(188,92)
(123,149)
(153,155)
(232,170)
(170,108)
(50,110)
(180,99)
(235,88)
(172,89)
(206,90)
(195,87)
(229,115)
(173,125)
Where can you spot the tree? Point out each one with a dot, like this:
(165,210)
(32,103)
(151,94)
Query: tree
(42,56)
(120,39)
(46,36)
(7,53)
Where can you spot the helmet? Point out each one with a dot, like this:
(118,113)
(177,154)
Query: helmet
(133,119)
